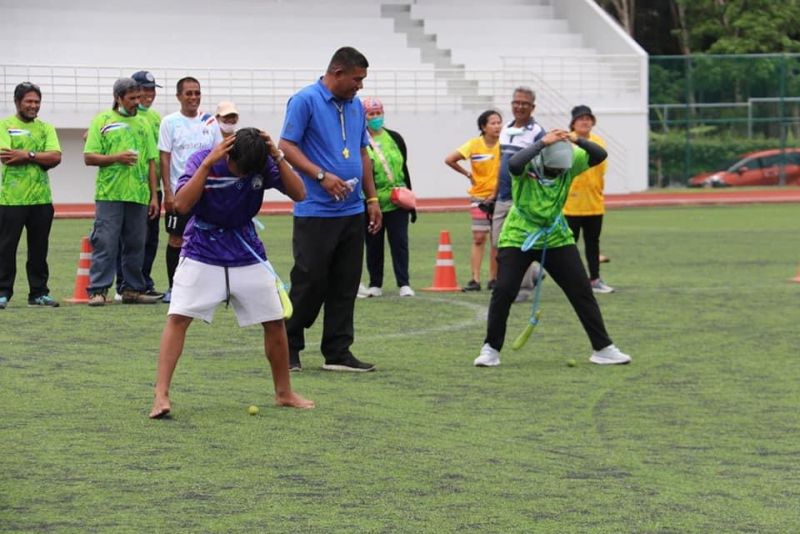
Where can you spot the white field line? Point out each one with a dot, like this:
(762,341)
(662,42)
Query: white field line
(478,317)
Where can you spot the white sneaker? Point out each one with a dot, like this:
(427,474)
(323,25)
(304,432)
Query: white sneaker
(488,357)
(117,297)
(406,291)
(374,292)
(363,292)
(598,286)
(610,355)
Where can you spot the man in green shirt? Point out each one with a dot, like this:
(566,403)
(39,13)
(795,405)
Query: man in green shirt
(147,83)
(28,148)
(121,144)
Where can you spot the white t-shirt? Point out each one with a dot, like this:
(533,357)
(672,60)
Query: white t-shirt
(182,136)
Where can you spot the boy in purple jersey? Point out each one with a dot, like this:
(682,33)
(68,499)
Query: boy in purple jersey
(222,258)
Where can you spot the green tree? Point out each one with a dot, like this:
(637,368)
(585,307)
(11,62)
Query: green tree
(710,26)
(744,26)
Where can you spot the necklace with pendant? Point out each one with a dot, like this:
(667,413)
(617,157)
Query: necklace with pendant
(340,109)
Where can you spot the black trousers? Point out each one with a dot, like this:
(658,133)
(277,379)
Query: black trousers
(37,221)
(328,253)
(395,226)
(564,266)
(592,225)
(150,251)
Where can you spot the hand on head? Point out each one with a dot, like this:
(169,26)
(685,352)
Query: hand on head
(272,147)
(554,136)
(221,150)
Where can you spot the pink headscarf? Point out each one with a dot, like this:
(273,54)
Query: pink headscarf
(372,103)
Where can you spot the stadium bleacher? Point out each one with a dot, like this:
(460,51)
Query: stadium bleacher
(427,58)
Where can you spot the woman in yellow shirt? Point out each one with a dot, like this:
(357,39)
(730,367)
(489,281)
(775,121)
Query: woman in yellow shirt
(585,205)
(483,153)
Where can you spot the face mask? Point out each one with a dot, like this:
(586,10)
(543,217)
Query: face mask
(227,128)
(375,123)
(124,112)
(141,107)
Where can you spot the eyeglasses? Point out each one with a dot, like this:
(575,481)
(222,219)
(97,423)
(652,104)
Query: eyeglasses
(521,104)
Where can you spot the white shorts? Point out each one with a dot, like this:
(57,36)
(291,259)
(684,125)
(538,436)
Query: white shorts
(198,288)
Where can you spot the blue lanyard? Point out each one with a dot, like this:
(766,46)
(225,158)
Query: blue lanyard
(531,239)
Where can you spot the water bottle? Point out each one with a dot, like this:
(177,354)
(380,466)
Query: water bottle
(351,184)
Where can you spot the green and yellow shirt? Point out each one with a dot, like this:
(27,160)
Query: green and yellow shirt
(394,159)
(153,117)
(111,133)
(538,204)
(28,184)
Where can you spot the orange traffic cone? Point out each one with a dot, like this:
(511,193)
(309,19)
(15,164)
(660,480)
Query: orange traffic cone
(444,277)
(797,277)
(79,295)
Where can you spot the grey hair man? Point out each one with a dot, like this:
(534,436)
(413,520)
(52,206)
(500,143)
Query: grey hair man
(120,144)
(517,134)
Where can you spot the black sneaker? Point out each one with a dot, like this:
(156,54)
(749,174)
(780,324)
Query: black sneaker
(43,301)
(472,286)
(154,293)
(490,284)
(350,364)
(294,363)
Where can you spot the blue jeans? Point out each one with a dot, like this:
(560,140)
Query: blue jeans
(117,224)
(150,251)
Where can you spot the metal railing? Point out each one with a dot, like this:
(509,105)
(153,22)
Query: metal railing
(87,89)
(606,74)
(81,88)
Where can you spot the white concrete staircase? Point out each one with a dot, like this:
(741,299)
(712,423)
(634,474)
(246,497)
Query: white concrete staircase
(453,74)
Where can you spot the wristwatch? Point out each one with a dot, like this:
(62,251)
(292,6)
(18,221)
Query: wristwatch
(320,175)
(31,155)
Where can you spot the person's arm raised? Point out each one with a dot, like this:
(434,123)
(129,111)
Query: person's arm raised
(188,195)
(517,162)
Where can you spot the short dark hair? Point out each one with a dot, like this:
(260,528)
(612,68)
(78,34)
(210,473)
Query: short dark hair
(24,88)
(249,151)
(179,85)
(346,59)
(483,118)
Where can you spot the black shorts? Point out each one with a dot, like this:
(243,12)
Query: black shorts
(175,223)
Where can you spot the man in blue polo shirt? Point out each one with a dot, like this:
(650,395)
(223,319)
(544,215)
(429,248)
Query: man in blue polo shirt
(324,137)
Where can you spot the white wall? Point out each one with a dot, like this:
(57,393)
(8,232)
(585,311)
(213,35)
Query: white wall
(190,37)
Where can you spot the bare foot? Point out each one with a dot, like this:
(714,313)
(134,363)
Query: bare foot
(293,400)
(161,408)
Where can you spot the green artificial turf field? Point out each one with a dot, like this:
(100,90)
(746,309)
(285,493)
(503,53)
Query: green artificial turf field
(698,434)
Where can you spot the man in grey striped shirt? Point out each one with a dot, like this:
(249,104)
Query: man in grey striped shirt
(520,133)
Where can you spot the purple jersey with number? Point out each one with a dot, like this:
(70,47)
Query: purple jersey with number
(223,215)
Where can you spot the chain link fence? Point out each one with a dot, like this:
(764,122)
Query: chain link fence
(724,120)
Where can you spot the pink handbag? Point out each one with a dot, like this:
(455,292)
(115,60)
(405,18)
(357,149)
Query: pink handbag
(403,197)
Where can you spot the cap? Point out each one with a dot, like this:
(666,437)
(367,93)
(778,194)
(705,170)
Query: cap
(226,108)
(145,79)
(558,155)
(580,111)
(372,103)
